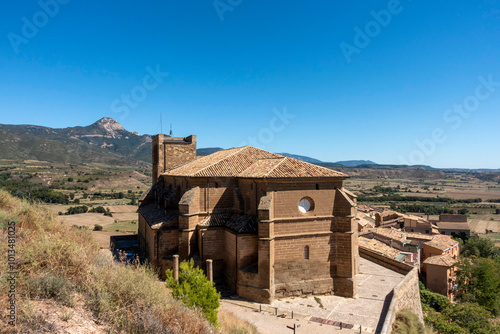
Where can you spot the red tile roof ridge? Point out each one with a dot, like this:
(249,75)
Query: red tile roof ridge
(236,150)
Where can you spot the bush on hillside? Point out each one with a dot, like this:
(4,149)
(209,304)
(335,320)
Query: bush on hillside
(194,290)
(77,209)
(60,262)
(407,323)
(434,300)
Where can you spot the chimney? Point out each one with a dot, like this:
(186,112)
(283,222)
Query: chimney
(170,152)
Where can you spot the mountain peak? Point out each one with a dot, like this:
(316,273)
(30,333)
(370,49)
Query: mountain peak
(109,124)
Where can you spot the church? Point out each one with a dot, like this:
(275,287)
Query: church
(272,225)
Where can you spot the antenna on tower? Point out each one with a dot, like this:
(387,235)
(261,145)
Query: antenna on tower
(170,130)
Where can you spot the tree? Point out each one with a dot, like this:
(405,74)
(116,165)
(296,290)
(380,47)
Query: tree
(434,300)
(480,247)
(470,316)
(133,200)
(479,281)
(194,290)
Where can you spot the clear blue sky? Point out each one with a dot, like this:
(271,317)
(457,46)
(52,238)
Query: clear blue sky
(231,68)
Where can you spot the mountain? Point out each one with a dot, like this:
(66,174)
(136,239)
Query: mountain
(207,151)
(302,158)
(105,141)
(355,163)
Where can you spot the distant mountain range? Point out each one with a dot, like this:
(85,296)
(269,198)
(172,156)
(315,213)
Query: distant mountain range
(106,141)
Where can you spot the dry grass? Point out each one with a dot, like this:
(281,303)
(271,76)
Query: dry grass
(56,262)
(231,324)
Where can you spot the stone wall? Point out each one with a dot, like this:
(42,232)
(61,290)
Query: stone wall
(169,152)
(230,259)
(295,274)
(405,296)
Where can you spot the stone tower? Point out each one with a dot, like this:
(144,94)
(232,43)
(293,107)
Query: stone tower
(170,152)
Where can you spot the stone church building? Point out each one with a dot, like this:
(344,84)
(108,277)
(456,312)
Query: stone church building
(274,226)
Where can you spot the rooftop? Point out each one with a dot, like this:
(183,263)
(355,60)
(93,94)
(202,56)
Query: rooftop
(397,234)
(379,247)
(453,226)
(157,216)
(233,221)
(251,162)
(445,260)
(442,242)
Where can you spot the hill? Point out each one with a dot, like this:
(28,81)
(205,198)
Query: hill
(104,141)
(355,163)
(66,284)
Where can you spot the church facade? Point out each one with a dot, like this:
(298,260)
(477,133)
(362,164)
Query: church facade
(272,225)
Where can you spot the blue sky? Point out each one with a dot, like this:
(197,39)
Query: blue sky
(395,82)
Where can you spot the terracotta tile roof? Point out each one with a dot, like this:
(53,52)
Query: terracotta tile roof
(235,222)
(397,234)
(442,242)
(157,217)
(445,260)
(454,226)
(251,162)
(378,247)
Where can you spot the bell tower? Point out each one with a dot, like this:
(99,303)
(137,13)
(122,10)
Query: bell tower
(170,152)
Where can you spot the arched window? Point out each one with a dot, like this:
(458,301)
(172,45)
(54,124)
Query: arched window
(306,253)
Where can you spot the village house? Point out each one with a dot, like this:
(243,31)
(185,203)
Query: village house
(440,255)
(440,245)
(451,224)
(419,225)
(440,274)
(272,225)
(389,218)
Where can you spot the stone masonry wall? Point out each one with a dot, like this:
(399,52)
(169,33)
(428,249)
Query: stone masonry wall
(296,275)
(212,244)
(405,296)
(169,152)
(230,259)
(168,242)
(247,250)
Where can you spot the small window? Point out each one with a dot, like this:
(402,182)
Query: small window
(306,253)
(216,185)
(317,186)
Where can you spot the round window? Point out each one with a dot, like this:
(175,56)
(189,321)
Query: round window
(305,205)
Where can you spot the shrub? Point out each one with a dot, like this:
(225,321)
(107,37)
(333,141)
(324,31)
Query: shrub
(194,290)
(435,300)
(98,209)
(77,209)
(51,286)
(441,323)
(97,227)
(407,323)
